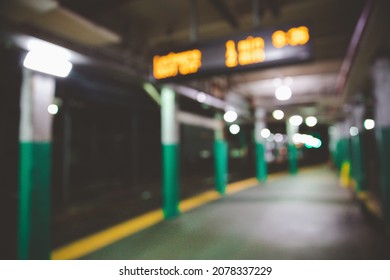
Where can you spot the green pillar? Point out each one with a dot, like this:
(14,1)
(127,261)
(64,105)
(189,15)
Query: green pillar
(292,159)
(260,145)
(34,166)
(383,140)
(220,158)
(170,154)
(358,171)
(292,150)
(381,78)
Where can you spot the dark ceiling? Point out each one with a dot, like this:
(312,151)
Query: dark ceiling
(128,31)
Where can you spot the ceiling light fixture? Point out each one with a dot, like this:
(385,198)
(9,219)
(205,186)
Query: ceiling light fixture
(283,93)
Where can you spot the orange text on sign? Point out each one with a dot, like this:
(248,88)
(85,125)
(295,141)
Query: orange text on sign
(172,64)
(294,36)
(248,51)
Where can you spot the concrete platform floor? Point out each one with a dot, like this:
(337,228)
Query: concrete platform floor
(307,216)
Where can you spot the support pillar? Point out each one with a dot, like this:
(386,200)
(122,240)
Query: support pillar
(357,160)
(345,153)
(170,153)
(334,138)
(381,77)
(292,150)
(260,142)
(66,153)
(35,142)
(220,158)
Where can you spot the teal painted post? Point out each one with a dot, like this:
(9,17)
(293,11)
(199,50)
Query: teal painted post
(383,140)
(292,150)
(221,164)
(292,159)
(220,158)
(260,145)
(35,166)
(358,171)
(381,78)
(170,154)
(261,163)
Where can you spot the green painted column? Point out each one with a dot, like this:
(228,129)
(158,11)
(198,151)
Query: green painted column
(292,159)
(358,171)
(34,166)
(260,145)
(292,150)
(220,158)
(381,78)
(383,140)
(170,153)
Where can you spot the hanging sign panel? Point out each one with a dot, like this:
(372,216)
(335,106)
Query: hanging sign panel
(241,52)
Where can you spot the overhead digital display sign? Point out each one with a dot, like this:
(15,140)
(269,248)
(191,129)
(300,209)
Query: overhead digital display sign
(245,51)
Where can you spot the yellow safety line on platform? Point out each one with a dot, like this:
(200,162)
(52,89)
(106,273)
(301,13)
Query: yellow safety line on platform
(196,201)
(106,237)
(241,185)
(371,204)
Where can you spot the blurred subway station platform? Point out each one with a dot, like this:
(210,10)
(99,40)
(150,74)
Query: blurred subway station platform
(195,129)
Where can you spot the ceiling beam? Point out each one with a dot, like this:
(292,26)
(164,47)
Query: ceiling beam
(224,11)
(354,45)
(94,9)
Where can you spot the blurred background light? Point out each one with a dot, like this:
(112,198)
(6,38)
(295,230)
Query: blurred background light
(353,131)
(278,137)
(311,121)
(278,114)
(52,109)
(296,120)
(47,63)
(230,116)
(369,124)
(265,133)
(283,93)
(234,129)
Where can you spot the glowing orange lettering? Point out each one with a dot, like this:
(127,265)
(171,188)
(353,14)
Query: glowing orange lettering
(249,51)
(231,54)
(294,36)
(170,65)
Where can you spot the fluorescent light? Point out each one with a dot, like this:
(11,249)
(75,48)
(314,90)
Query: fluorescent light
(296,120)
(234,129)
(311,121)
(230,116)
(48,49)
(47,63)
(283,93)
(278,114)
(369,124)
